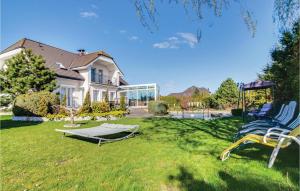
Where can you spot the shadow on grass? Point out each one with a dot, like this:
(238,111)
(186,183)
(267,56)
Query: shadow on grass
(9,123)
(190,134)
(188,182)
(245,181)
(95,141)
(287,161)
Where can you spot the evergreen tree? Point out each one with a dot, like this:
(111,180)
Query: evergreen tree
(227,93)
(26,71)
(284,69)
(122,103)
(86,106)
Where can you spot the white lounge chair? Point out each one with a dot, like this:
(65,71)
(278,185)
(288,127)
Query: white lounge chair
(288,111)
(102,130)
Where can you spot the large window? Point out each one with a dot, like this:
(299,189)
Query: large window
(97,76)
(139,95)
(93,74)
(96,95)
(100,76)
(111,96)
(67,94)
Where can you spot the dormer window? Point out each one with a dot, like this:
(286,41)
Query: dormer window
(60,65)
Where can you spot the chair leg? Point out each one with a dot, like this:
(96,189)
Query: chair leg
(274,154)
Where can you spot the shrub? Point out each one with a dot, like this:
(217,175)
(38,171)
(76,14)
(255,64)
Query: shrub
(122,103)
(52,117)
(106,114)
(100,107)
(5,100)
(237,112)
(59,109)
(158,107)
(86,106)
(35,104)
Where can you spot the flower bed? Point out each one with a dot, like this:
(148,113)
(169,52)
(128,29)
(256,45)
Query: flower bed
(112,115)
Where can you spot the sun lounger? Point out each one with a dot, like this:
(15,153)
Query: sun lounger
(286,116)
(295,123)
(102,130)
(276,139)
(262,112)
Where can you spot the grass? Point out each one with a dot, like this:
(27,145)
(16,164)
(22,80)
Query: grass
(168,154)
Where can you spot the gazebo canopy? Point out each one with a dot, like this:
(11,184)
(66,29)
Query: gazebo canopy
(257,85)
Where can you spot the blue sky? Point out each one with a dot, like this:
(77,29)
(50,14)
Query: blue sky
(170,56)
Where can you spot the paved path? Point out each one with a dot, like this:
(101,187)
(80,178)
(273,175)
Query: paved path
(139,112)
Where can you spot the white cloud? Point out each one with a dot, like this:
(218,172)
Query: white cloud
(133,38)
(161,45)
(177,41)
(88,14)
(122,31)
(173,38)
(189,38)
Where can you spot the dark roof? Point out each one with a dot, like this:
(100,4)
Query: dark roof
(258,85)
(55,56)
(122,82)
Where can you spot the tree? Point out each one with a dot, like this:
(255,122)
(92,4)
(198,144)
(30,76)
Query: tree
(26,71)
(122,103)
(172,101)
(284,69)
(285,12)
(227,93)
(86,106)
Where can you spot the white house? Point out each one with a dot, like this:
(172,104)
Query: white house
(80,72)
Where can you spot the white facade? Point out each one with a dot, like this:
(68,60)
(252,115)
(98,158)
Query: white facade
(75,90)
(101,77)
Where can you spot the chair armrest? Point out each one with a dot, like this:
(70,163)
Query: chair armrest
(281,135)
(278,130)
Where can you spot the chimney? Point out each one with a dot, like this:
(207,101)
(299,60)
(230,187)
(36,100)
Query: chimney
(81,52)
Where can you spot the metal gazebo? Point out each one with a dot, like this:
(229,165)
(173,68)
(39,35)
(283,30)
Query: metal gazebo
(257,85)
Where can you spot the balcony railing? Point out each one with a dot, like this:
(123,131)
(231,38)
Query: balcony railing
(102,79)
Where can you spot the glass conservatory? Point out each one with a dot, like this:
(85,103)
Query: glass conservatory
(139,95)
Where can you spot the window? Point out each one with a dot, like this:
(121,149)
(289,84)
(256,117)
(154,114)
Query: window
(62,94)
(111,96)
(67,93)
(104,95)
(95,95)
(93,74)
(100,76)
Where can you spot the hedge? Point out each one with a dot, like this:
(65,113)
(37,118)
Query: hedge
(37,104)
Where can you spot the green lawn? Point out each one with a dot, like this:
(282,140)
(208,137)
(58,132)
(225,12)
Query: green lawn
(168,154)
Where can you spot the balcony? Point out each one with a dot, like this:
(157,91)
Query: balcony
(103,80)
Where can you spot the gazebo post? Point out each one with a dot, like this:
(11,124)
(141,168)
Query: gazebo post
(238,103)
(243,103)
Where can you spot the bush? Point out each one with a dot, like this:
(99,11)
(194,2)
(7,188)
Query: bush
(86,106)
(52,117)
(35,104)
(158,107)
(5,100)
(100,107)
(59,109)
(122,103)
(118,114)
(237,112)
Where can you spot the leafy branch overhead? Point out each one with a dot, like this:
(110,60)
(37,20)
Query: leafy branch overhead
(285,12)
